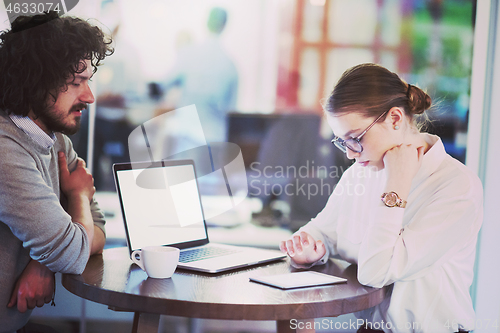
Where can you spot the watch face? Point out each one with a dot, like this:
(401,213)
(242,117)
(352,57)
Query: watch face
(391,199)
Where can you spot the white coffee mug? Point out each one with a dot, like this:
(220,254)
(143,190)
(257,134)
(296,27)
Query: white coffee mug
(157,261)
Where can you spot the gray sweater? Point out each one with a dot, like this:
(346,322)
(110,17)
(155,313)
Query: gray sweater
(33,221)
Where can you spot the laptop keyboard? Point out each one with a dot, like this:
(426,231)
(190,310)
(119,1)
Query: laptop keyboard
(204,253)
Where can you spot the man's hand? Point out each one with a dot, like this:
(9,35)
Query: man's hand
(303,249)
(79,182)
(34,287)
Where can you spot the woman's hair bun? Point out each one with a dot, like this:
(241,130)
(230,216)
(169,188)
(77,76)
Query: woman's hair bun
(418,100)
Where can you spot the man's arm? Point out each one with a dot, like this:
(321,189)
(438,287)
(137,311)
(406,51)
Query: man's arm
(79,188)
(99,222)
(99,241)
(35,287)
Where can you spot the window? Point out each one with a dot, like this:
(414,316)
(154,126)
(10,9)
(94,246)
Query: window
(429,43)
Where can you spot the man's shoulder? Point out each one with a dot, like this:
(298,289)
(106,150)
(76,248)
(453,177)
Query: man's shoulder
(5,122)
(62,142)
(11,137)
(8,131)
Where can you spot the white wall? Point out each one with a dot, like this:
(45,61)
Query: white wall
(483,155)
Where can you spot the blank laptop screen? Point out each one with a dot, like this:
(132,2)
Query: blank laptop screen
(161,205)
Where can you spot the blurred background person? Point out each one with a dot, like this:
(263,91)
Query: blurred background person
(204,75)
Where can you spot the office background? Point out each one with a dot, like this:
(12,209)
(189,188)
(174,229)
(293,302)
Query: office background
(288,54)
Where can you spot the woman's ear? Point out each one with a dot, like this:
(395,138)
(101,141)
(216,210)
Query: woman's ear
(395,117)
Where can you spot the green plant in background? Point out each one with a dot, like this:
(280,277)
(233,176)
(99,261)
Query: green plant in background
(441,41)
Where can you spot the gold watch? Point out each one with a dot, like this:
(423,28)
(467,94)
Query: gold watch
(392,199)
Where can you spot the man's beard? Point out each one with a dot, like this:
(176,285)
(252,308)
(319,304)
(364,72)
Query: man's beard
(54,122)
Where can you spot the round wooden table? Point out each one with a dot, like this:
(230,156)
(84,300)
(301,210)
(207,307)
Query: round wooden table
(112,279)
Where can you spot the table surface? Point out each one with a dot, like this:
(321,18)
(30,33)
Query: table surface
(112,279)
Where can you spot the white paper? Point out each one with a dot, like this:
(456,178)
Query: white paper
(298,280)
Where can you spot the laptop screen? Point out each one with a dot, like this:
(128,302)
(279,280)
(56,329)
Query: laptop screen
(160,203)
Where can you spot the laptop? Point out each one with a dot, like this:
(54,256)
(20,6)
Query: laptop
(161,205)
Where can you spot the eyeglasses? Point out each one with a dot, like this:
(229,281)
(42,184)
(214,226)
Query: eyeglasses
(353,143)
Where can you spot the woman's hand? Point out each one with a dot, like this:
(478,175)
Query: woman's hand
(402,164)
(303,249)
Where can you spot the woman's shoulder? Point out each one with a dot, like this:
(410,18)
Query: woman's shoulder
(459,178)
(444,170)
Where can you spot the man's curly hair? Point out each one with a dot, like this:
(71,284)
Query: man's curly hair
(40,54)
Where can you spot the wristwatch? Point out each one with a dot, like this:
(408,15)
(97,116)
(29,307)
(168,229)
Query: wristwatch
(392,199)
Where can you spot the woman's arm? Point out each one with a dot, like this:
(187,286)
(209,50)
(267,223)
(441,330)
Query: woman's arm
(446,214)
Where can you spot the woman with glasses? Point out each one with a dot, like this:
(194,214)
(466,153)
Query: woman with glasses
(405,212)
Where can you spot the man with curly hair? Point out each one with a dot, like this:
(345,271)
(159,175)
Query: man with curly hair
(49,221)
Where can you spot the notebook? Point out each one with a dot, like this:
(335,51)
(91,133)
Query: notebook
(161,205)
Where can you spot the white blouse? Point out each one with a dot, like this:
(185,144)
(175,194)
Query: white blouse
(425,250)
